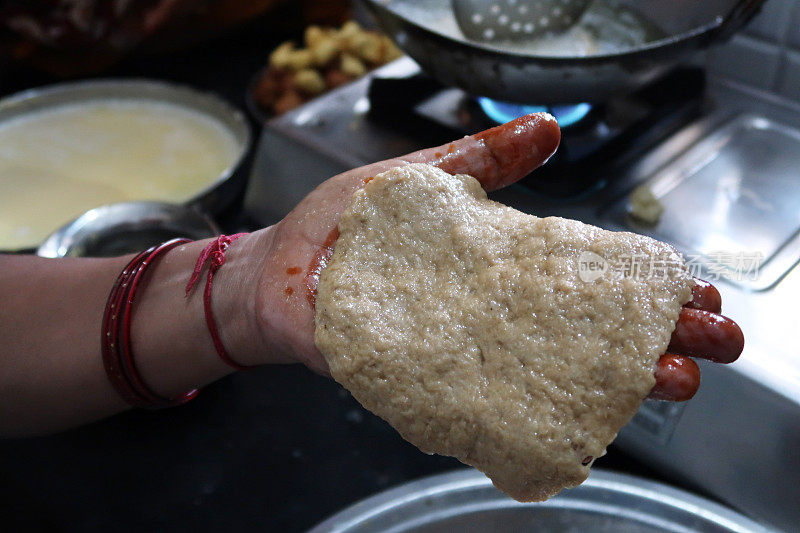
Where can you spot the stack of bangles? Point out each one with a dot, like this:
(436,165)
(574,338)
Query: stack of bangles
(118,357)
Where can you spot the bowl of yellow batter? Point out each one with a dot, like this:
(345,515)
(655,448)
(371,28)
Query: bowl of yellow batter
(68,148)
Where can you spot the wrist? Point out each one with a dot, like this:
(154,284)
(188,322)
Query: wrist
(261,340)
(285,315)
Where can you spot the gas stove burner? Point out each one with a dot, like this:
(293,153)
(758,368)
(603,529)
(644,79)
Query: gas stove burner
(502,112)
(410,110)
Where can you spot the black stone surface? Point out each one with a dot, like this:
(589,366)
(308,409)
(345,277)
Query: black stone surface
(275,449)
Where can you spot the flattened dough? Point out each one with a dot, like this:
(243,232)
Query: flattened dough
(476,332)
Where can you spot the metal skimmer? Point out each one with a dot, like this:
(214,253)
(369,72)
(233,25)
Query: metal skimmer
(502,20)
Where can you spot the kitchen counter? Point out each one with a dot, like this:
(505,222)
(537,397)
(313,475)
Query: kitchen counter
(274,449)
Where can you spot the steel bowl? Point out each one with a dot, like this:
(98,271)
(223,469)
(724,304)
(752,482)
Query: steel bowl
(467,502)
(127,227)
(213,199)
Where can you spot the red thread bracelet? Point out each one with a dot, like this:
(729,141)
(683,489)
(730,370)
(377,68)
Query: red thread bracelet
(118,358)
(214,253)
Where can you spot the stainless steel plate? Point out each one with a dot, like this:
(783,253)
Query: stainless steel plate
(466,501)
(733,199)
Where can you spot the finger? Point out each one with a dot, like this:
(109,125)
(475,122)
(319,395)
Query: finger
(705,296)
(496,157)
(677,378)
(708,335)
(504,154)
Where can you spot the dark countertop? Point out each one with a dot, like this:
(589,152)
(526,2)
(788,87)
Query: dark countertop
(274,449)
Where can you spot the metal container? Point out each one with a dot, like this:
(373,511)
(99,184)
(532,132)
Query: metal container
(466,501)
(214,198)
(126,227)
(427,31)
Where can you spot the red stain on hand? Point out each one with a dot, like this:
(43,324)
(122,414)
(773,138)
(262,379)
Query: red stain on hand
(451,148)
(367,180)
(288,291)
(293,270)
(319,262)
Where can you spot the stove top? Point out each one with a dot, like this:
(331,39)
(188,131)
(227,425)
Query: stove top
(592,135)
(399,109)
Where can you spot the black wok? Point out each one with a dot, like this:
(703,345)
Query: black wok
(427,31)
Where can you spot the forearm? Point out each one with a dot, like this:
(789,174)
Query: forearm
(50,366)
(51,369)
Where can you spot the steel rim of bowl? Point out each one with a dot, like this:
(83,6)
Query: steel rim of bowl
(106,218)
(427,492)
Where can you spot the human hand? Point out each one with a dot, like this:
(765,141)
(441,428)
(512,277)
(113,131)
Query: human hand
(296,249)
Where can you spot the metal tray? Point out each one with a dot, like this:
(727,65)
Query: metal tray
(732,202)
(465,501)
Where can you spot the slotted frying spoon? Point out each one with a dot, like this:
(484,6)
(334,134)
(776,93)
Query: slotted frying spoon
(501,20)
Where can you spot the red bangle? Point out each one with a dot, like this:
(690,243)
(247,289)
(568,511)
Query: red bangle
(118,357)
(214,253)
(110,338)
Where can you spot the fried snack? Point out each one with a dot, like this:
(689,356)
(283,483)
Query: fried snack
(329,58)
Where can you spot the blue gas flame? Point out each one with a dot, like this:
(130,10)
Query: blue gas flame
(502,112)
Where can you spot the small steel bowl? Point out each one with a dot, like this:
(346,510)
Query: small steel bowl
(127,227)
